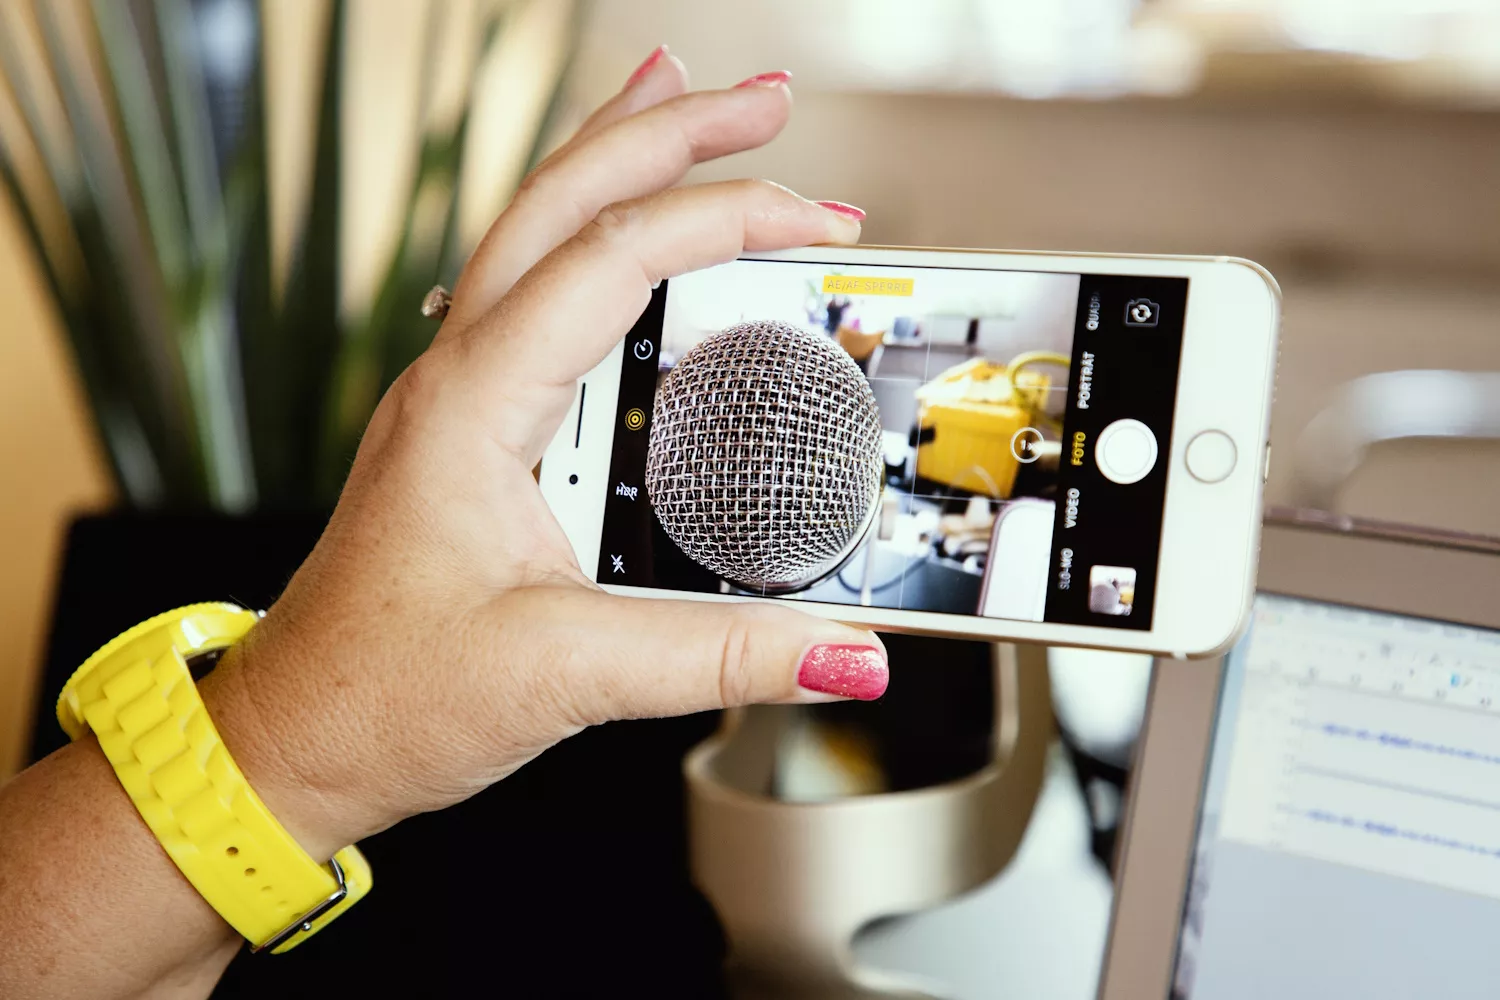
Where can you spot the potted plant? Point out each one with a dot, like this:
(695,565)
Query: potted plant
(225,372)
(229,358)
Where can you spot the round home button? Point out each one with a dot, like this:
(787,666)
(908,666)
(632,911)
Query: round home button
(1211,456)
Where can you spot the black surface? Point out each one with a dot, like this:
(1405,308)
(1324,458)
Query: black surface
(119,570)
(567,879)
(939,726)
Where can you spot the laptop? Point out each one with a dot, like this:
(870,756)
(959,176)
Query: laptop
(1318,814)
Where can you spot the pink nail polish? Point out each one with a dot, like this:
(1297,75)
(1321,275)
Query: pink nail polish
(857,214)
(776,79)
(849,671)
(645,67)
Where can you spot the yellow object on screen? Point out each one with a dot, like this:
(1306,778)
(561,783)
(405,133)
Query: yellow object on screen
(851,284)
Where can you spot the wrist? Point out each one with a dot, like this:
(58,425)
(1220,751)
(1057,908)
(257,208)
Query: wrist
(269,731)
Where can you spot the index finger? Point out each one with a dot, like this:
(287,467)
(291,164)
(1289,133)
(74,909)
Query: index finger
(515,368)
(568,312)
(630,158)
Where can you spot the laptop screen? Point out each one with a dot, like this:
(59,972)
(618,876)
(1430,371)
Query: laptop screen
(1349,841)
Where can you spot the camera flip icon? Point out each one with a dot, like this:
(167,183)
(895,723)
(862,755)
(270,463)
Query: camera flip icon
(1141,312)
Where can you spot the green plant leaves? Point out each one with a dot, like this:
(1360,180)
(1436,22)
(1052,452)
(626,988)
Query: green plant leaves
(151,216)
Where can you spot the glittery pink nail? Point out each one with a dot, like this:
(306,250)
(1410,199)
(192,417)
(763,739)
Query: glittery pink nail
(645,67)
(847,671)
(857,214)
(776,79)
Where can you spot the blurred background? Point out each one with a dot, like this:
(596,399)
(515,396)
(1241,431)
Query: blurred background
(217,218)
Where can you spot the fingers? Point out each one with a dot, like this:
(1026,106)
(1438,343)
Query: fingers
(615,159)
(569,311)
(660,77)
(622,657)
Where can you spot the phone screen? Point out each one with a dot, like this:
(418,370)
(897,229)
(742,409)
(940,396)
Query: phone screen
(1025,422)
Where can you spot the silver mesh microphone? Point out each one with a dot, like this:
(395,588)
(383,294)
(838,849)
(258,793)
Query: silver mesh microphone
(765,460)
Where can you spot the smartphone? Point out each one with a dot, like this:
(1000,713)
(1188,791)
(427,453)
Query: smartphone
(1066,449)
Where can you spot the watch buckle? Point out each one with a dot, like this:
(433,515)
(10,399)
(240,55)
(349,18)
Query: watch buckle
(304,923)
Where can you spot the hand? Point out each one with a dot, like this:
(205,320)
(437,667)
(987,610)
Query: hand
(441,634)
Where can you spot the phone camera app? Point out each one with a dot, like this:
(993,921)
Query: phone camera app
(1141,312)
(913,439)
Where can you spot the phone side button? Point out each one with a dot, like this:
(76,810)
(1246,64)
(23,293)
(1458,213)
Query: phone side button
(1211,456)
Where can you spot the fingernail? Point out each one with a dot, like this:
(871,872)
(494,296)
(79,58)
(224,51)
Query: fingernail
(853,212)
(848,671)
(645,67)
(776,79)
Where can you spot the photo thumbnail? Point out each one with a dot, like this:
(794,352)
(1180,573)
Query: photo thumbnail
(1111,590)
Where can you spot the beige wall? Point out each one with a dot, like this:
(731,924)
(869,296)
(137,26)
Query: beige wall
(50,467)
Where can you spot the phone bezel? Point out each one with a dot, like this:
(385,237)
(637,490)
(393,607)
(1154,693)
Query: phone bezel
(1210,531)
(1371,565)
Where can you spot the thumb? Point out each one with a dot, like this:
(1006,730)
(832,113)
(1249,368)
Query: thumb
(625,657)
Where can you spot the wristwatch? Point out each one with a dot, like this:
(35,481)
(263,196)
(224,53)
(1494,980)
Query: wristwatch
(138,696)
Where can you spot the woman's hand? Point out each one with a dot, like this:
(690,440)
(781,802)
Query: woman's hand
(442,634)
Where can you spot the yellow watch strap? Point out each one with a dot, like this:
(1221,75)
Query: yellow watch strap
(138,697)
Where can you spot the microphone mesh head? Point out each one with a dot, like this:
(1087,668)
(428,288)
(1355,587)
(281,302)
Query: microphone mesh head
(765,460)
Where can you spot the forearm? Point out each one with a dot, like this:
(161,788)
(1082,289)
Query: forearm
(90,904)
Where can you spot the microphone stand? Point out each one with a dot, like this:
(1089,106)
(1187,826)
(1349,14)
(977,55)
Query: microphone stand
(793,883)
